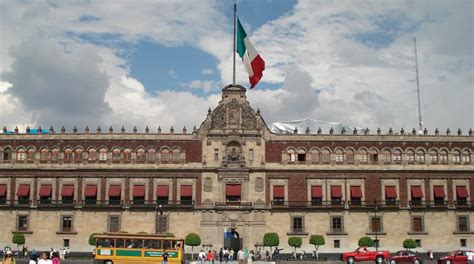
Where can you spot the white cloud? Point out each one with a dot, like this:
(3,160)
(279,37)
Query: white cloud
(172,74)
(207,71)
(205,86)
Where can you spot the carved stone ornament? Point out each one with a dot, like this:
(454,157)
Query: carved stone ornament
(259,184)
(208,184)
(218,117)
(249,120)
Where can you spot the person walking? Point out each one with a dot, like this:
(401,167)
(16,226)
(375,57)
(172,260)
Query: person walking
(240,256)
(33,259)
(44,259)
(231,254)
(165,257)
(202,256)
(56,259)
(8,258)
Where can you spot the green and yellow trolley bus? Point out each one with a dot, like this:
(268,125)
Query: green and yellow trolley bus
(117,248)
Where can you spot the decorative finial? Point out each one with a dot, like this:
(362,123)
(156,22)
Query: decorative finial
(319,131)
(147,129)
(448,132)
(111,130)
(74,130)
(171,129)
(331,131)
(258,111)
(184,130)
(194,129)
(307,130)
(27,129)
(425,131)
(436,131)
(16,130)
(122,129)
(343,130)
(354,131)
(295,131)
(99,130)
(87,130)
(470,131)
(40,130)
(5,130)
(63,130)
(459,132)
(135,129)
(209,111)
(367,131)
(402,131)
(390,131)
(413,131)
(379,131)
(51,129)
(159,129)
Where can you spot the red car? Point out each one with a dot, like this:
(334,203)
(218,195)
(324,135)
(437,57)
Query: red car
(405,256)
(365,254)
(457,256)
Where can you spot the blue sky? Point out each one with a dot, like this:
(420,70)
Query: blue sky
(165,62)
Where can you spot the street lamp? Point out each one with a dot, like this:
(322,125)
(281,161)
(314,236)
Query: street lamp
(161,209)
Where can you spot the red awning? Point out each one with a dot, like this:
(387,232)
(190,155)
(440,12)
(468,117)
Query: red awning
(356,192)
(336,192)
(162,191)
(186,190)
(45,190)
(3,190)
(23,190)
(316,191)
(90,191)
(416,192)
(68,190)
(232,190)
(115,191)
(438,191)
(461,192)
(138,190)
(390,192)
(278,191)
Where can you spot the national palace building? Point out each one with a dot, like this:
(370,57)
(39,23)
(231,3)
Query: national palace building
(58,187)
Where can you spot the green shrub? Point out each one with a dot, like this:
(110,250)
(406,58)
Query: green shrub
(366,242)
(18,239)
(295,242)
(409,243)
(317,240)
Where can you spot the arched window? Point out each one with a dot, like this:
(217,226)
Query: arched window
(44,154)
(141,155)
(151,154)
(78,155)
(339,156)
(68,155)
(20,154)
(92,154)
(434,156)
(363,156)
(466,156)
(127,155)
(7,154)
(102,154)
(326,156)
(165,154)
(349,156)
(387,156)
(31,154)
(443,156)
(410,156)
(301,155)
(420,156)
(116,154)
(315,156)
(176,152)
(397,156)
(291,155)
(54,154)
(374,156)
(456,156)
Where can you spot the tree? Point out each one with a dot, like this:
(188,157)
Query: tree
(409,243)
(317,240)
(192,240)
(271,240)
(366,242)
(295,242)
(18,239)
(92,239)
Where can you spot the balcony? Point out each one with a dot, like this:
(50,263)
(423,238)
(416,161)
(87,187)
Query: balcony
(56,204)
(336,204)
(428,204)
(233,205)
(16,203)
(463,204)
(95,204)
(388,204)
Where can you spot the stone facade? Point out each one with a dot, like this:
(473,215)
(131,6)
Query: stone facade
(232,172)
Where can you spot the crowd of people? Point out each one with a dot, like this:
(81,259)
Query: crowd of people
(47,257)
(243,256)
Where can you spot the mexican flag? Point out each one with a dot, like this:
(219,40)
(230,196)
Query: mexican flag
(253,63)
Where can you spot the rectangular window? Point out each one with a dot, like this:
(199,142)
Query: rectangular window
(463,242)
(67,194)
(138,194)
(463,224)
(162,194)
(66,224)
(297,224)
(416,195)
(186,194)
(376,224)
(316,195)
(337,224)
(216,154)
(161,224)
(356,195)
(115,194)
(417,224)
(337,243)
(90,194)
(232,192)
(66,243)
(418,243)
(390,195)
(461,195)
(336,195)
(113,223)
(3,193)
(102,155)
(301,157)
(250,154)
(438,193)
(22,223)
(278,195)
(45,193)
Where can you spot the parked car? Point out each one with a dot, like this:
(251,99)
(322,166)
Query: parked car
(405,256)
(456,256)
(365,254)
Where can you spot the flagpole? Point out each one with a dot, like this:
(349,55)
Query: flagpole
(233,51)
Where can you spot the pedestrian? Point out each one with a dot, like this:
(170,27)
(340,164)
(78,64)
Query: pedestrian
(221,254)
(56,259)
(226,255)
(165,257)
(240,256)
(33,259)
(231,254)
(202,256)
(430,255)
(25,251)
(8,258)
(470,257)
(44,259)
(210,256)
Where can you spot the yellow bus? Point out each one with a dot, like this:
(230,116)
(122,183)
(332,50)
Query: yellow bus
(117,248)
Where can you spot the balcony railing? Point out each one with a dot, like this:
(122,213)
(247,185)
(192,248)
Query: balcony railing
(463,204)
(56,203)
(308,204)
(16,203)
(428,204)
(233,204)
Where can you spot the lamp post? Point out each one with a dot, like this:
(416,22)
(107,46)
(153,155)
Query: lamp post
(377,228)
(161,209)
